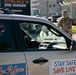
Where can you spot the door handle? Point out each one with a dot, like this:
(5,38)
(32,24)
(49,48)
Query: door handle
(40,60)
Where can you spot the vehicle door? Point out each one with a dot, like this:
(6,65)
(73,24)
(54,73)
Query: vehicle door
(47,49)
(12,60)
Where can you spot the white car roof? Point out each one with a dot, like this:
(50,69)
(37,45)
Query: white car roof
(22,17)
(25,18)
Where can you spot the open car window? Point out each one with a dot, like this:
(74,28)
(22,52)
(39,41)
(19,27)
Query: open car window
(41,37)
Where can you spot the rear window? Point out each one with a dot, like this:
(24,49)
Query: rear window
(6,37)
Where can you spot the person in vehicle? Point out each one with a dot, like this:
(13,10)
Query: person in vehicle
(44,33)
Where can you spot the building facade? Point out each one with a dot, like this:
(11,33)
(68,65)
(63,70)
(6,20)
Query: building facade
(48,7)
(70,6)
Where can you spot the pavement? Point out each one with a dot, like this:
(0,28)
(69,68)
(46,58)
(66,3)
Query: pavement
(74,36)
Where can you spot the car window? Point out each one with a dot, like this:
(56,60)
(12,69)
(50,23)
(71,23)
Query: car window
(6,38)
(39,36)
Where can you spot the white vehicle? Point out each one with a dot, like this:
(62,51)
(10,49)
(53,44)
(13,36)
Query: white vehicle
(35,46)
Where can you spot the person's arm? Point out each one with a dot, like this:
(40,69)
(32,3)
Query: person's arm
(73,22)
(60,23)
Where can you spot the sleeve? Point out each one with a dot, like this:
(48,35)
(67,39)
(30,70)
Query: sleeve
(60,23)
(73,22)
